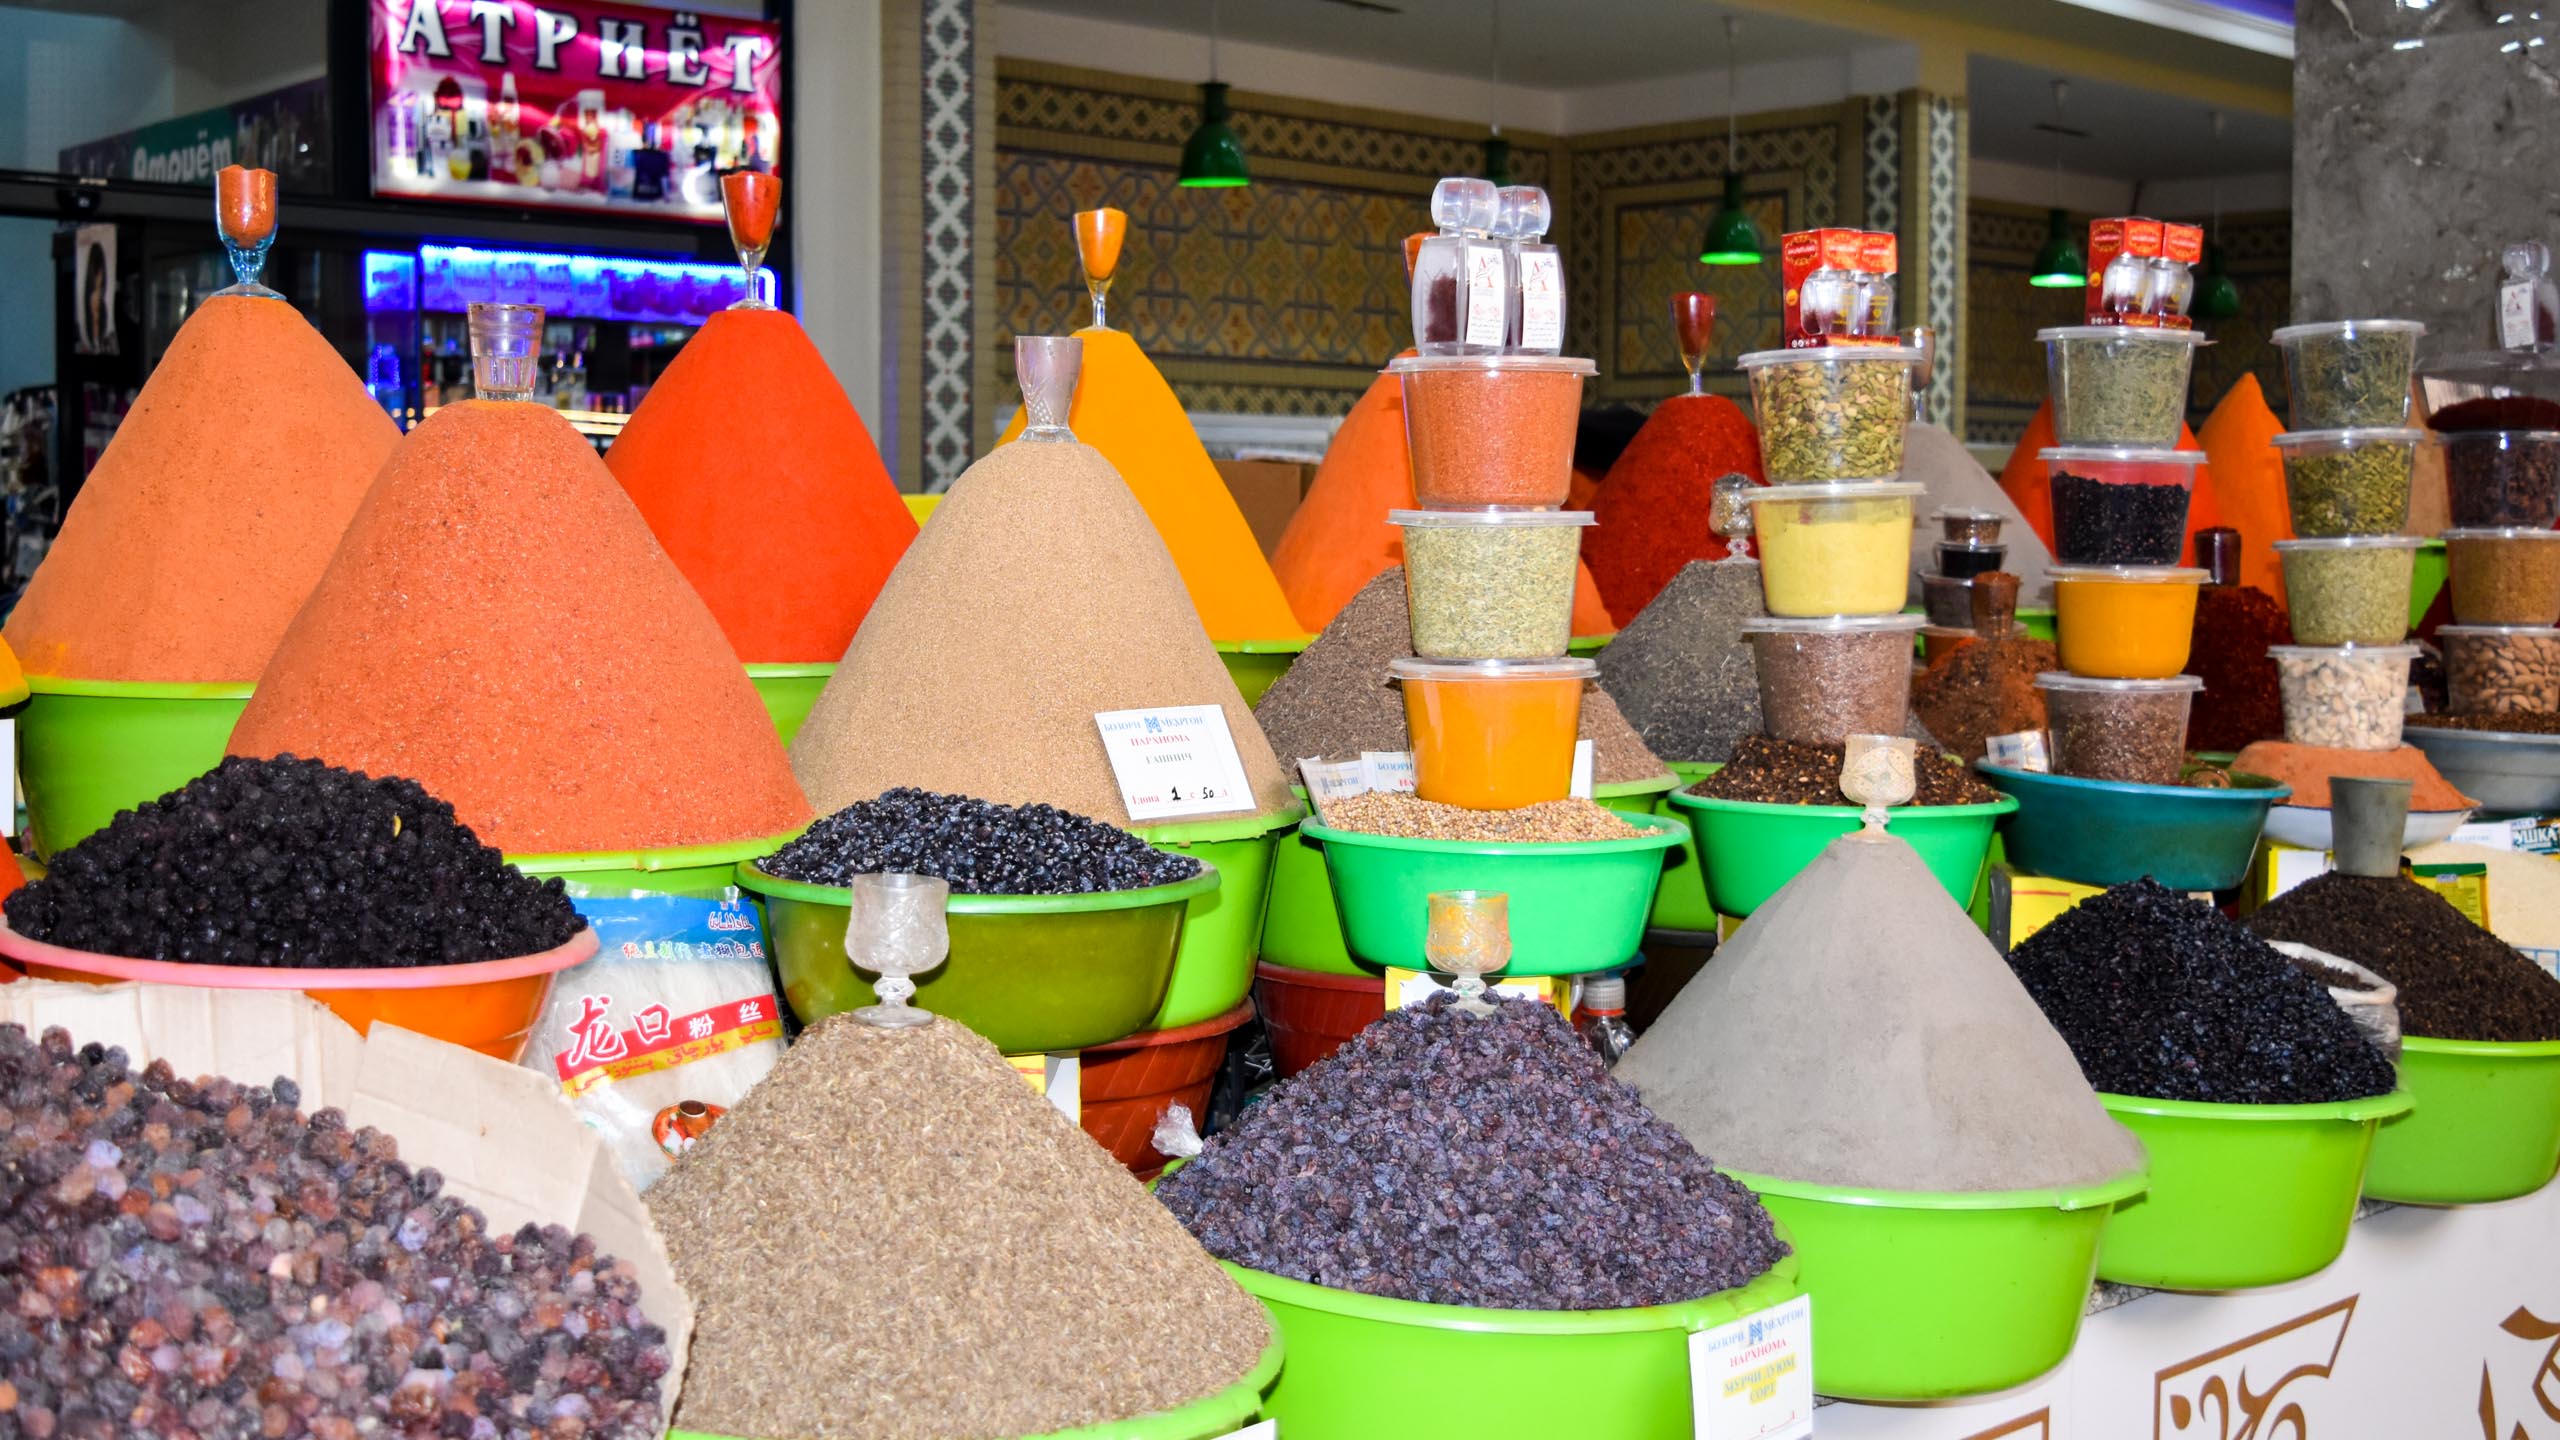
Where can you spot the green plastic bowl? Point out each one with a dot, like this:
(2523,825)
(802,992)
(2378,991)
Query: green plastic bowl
(1920,1296)
(2039,623)
(1254,664)
(2426,578)
(1637,797)
(2106,832)
(1224,1413)
(1680,905)
(1029,972)
(1214,969)
(788,691)
(700,870)
(1750,849)
(1588,645)
(1575,907)
(1363,1368)
(2241,1195)
(2487,1126)
(88,749)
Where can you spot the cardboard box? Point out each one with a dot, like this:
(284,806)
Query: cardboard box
(1801,254)
(2109,238)
(1268,492)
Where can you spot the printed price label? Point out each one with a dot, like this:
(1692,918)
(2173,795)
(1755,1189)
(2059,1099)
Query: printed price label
(1541,302)
(1584,757)
(1412,987)
(1337,780)
(1752,1379)
(1057,1076)
(1485,284)
(1387,770)
(2515,314)
(2024,750)
(1177,761)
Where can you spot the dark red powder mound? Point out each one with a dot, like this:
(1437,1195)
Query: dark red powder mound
(1654,505)
(2240,703)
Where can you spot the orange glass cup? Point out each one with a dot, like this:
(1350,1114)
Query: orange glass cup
(244,205)
(1493,734)
(1098,236)
(753,200)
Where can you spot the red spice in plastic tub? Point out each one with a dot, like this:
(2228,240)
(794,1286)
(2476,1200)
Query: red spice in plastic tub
(1491,429)
(1493,734)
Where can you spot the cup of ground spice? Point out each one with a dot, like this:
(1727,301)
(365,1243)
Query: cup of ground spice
(2354,589)
(1835,549)
(2114,506)
(1491,429)
(2348,482)
(2504,576)
(2502,477)
(1826,678)
(2348,372)
(1490,584)
(2500,669)
(2124,622)
(2134,731)
(1492,734)
(2345,697)
(2118,384)
(1832,413)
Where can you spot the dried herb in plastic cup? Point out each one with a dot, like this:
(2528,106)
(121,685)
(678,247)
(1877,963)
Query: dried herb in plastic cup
(2500,669)
(1491,429)
(2118,384)
(2351,590)
(1834,412)
(2502,477)
(2344,697)
(2504,576)
(2124,622)
(2117,506)
(2133,731)
(2348,482)
(2343,373)
(1840,549)
(1823,680)
(1490,584)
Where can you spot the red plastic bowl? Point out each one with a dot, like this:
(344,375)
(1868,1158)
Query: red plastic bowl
(1310,1013)
(1127,1085)
(489,1006)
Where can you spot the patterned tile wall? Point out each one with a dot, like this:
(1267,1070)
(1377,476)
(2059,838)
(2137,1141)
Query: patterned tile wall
(947,250)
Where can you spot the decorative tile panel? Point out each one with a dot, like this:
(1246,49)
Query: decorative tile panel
(947,300)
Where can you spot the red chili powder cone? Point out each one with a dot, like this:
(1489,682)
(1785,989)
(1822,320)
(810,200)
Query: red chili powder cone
(214,509)
(499,626)
(1653,508)
(756,474)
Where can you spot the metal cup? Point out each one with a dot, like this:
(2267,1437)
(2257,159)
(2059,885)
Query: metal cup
(2368,818)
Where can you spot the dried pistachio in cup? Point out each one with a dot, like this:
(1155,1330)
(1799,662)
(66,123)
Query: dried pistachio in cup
(1835,412)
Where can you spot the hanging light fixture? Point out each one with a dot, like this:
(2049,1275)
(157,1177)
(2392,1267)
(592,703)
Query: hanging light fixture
(1732,236)
(2217,294)
(2058,263)
(1497,150)
(1213,159)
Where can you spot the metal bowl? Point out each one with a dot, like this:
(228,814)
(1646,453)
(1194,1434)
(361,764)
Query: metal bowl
(2505,771)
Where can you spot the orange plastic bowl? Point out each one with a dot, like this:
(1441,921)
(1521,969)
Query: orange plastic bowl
(489,1006)
(1129,1083)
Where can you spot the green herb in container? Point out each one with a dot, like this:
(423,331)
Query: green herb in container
(2342,373)
(1833,412)
(1490,584)
(2350,590)
(2348,482)
(2118,384)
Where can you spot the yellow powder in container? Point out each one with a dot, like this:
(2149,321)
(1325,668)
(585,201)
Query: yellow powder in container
(1841,549)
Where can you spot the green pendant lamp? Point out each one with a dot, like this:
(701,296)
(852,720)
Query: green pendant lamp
(1497,160)
(1733,238)
(2217,295)
(1213,159)
(2058,265)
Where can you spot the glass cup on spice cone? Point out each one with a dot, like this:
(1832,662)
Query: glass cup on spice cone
(1693,325)
(1098,236)
(1469,937)
(752,199)
(506,344)
(244,210)
(1878,772)
(897,925)
(1047,368)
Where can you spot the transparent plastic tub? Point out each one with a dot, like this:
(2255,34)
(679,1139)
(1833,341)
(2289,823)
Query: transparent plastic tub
(2351,589)
(1491,429)
(2132,731)
(2125,622)
(2505,576)
(2118,506)
(2339,373)
(1493,734)
(2118,384)
(1835,549)
(2343,697)
(1834,412)
(2500,669)
(2348,482)
(1490,584)
(1827,678)
(2502,477)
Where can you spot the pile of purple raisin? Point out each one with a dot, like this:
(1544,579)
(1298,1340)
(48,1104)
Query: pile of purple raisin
(1460,1159)
(197,1259)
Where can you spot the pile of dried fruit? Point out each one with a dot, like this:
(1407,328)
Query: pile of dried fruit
(981,848)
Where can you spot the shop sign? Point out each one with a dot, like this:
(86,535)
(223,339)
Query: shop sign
(285,130)
(616,108)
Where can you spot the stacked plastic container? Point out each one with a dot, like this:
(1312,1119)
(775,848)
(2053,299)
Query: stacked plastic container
(2348,462)
(2502,652)
(2124,608)
(1968,545)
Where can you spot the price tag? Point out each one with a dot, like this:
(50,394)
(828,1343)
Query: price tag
(2515,314)
(1331,780)
(1387,770)
(1412,987)
(1057,1076)
(1541,302)
(2023,751)
(1177,761)
(1752,1379)
(1583,759)
(1486,281)
(1258,1430)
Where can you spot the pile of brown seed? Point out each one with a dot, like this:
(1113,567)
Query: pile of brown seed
(1408,817)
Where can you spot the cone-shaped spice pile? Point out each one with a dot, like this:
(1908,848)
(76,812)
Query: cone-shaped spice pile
(499,626)
(213,511)
(1037,598)
(756,474)
(1124,408)
(1653,508)
(891,1237)
(1858,1030)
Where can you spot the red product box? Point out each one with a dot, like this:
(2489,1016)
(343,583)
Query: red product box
(2108,239)
(1800,256)
(1880,254)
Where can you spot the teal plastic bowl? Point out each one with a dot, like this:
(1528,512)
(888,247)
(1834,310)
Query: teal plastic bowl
(1575,907)
(1750,849)
(2104,832)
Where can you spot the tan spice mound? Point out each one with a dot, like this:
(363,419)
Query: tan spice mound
(891,1237)
(213,511)
(500,627)
(1038,597)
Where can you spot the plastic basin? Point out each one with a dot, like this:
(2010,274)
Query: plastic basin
(788,691)
(90,748)
(700,870)
(1362,1368)
(1254,664)
(1214,967)
(1310,1013)
(2487,1126)
(1299,928)
(1589,645)
(1127,1085)
(1223,1413)
(1920,1296)
(1680,905)
(2241,1195)
(1029,972)
(489,1006)
(2105,832)
(1749,849)
(1575,907)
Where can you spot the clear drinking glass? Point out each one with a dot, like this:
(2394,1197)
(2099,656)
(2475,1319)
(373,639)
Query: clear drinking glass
(1047,368)
(506,350)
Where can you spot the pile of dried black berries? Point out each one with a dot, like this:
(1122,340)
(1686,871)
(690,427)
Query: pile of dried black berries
(292,863)
(2163,997)
(981,848)
(1473,1160)
(2456,980)
(197,1258)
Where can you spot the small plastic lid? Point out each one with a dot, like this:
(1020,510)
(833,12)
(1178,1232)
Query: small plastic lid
(2131,574)
(2113,455)
(2503,437)
(1568,364)
(2378,652)
(2062,680)
(2551,630)
(2363,542)
(1607,993)
(1563,667)
(1837,490)
(2286,335)
(2348,439)
(1461,519)
(1965,512)
(2122,332)
(2498,532)
(1826,353)
(1831,624)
